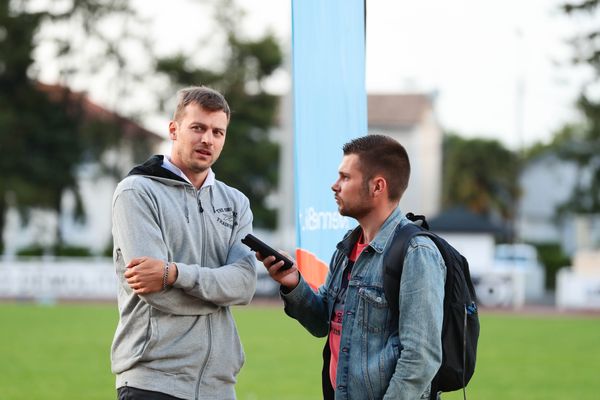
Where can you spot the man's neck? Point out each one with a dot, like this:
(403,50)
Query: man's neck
(196,179)
(372,222)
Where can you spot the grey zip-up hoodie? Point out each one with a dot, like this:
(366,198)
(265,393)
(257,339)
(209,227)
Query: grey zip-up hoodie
(183,340)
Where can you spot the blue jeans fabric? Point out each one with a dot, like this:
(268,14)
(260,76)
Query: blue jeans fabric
(382,356)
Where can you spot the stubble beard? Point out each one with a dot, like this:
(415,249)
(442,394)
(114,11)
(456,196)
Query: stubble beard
(356,211)
(196,166)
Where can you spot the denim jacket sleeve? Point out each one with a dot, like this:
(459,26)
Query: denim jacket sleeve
(421,301)
(313,310)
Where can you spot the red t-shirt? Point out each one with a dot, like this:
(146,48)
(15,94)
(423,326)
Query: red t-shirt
(335,332)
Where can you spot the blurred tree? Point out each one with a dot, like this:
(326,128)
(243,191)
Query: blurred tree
(583,146)
(250,160)
(480,174)
(45,134)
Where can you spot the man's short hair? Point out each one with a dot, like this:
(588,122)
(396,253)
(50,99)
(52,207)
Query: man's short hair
(382,155)
(207,98)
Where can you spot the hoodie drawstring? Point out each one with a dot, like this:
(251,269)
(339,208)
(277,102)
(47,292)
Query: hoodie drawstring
(212,199)
(185,206)
(200,202)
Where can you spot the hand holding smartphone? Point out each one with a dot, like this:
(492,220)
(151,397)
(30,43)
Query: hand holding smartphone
(265,250)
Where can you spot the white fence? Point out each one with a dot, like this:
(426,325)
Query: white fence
(50,279)
(58,279)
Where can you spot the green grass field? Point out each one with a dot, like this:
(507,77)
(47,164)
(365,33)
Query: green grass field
(62,352)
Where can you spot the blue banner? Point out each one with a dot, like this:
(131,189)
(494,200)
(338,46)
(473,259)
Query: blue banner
(330,108)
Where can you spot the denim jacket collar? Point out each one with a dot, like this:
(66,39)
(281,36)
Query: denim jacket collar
(380,240)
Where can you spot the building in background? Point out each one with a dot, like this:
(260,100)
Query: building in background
(547,182)
(408,118)
(96,182)
(411,120)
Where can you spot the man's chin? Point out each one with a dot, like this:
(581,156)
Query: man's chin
(199,168)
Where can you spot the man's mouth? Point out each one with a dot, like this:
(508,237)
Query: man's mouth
(204,152)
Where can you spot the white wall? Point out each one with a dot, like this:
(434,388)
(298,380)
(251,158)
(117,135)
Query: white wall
(478,249)
(93,233)
(49,279)
(545,183)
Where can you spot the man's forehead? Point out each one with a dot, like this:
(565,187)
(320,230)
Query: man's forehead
(196,111)
(350,163)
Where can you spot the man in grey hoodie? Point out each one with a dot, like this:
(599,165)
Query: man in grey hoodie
(180,264)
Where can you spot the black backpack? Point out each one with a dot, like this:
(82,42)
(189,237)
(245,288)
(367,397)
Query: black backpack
(460,329)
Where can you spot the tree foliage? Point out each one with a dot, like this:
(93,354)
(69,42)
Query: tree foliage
(583,146)
(44,134)
(250,159)
(480,174)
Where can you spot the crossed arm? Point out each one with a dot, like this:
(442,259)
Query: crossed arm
(191,289)
(146,275)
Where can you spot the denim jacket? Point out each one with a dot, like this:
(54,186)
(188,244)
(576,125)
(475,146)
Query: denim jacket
(382,356)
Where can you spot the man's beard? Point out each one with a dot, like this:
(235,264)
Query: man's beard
(358,210)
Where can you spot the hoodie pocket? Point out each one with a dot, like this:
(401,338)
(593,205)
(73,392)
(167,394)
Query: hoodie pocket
(151,335)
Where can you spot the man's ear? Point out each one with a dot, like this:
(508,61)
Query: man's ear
(173,130)
(379,186)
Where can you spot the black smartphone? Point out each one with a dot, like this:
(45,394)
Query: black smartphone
(265,250)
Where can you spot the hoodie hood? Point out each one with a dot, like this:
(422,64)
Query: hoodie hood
(153,167)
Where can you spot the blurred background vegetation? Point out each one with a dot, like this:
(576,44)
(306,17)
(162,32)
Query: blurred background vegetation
(47,132)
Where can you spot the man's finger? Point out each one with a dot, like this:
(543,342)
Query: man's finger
(275,266)
(136,261)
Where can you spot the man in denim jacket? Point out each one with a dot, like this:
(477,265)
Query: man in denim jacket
(370,353)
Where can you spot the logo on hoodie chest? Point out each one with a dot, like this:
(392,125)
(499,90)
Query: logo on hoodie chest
(226,217)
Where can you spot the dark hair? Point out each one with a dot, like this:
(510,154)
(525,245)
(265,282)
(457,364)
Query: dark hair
(205,97)
(379,154)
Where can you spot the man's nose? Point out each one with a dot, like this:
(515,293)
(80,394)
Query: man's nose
(207,138)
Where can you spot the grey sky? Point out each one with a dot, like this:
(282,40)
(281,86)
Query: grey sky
(500,68)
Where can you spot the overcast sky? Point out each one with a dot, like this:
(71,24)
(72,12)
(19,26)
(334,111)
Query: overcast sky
(473,54)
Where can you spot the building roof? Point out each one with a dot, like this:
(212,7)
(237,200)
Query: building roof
(397,109)
(461,220)
(93,111)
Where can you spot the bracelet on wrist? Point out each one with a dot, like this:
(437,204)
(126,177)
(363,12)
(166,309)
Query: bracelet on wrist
(165,275)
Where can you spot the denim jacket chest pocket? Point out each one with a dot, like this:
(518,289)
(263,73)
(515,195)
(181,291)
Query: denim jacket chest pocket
(372,309)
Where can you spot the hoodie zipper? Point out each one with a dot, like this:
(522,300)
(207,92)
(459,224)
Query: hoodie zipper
(207,358)
(208,320)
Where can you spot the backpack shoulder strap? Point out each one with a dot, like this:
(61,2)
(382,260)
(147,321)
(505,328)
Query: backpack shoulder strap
(393,261)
